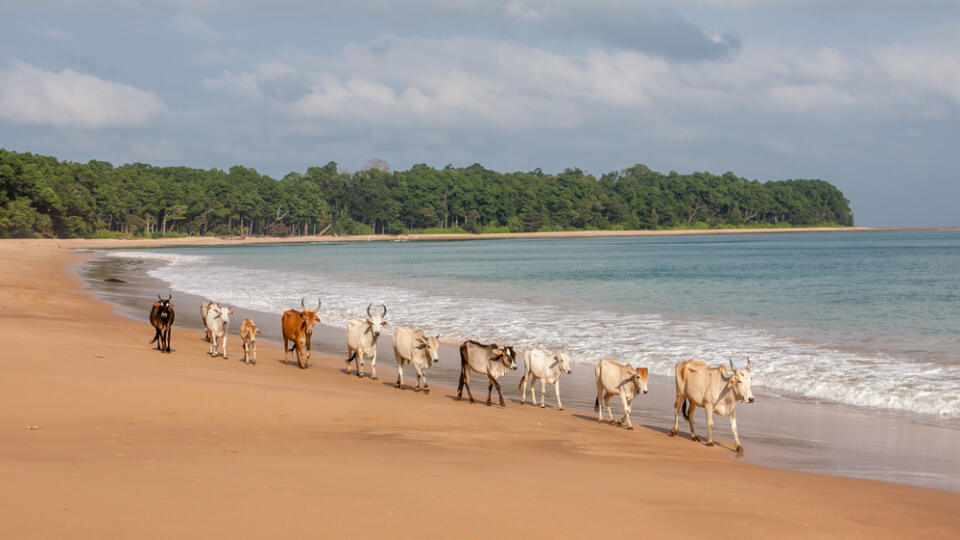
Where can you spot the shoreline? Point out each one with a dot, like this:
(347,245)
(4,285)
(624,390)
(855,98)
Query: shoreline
(138,443)
(106,243)
(835,449)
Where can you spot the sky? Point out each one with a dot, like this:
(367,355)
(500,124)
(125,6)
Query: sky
(862,94)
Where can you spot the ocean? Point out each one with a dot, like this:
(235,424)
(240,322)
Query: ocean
(866,319)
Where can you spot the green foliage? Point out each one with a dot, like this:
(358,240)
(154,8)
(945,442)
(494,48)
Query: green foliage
(41,196)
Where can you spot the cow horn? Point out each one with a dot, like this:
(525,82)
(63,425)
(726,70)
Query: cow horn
(169,297)
(158,297)
(368,310)
(748,363)
(384,306)
(301,304)
(318,304)
(731,365)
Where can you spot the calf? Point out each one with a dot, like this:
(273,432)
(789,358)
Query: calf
(362,336)
(546,367)
(161,317)
(490,360)
(625,381)
(248,337)
(714,389)
(297,327)
(417,349)
(218,324)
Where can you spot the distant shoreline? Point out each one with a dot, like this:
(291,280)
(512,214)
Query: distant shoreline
(94,243)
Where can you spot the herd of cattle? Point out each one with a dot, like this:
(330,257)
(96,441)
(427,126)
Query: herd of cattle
(716,389)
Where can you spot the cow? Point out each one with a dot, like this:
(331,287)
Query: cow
(491,360)
(204,307)
(614,378)
(218,324)
(248,337)
(716,390)
(161,317)
(362,336)
(546,367)
(297,327)
(417,349)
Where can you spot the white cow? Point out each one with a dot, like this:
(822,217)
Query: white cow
(417,349)
(546,367)
(362,338)
(714,389)
(217,324)
(614,378)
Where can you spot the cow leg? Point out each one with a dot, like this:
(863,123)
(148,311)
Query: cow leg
(254,347)
(556,388)
(626,411)
(464,382)
(169,334)
(733,426)
(225,343)
(373,363)
(709,411)
(285,350)
(300,356)
(421,376)
(543,393)
(496,383)
(400,376)
(489,390)
(676,415)
(523,389)
(693,435)
(606,401)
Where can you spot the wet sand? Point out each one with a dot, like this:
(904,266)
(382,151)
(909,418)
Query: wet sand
(133,442)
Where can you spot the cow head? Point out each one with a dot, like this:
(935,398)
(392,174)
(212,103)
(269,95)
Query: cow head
(640,377)
(564,362)
(309,318)
(506,355)
(165,306)
(376,322)
(740,382)
(225,314)
(431,346)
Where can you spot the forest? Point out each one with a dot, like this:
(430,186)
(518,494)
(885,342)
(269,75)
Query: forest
(41,196)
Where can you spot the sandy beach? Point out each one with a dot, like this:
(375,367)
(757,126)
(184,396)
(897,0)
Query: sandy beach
(105,436)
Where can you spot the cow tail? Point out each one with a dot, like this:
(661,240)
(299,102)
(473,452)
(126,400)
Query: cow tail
(522,380)
(596,404)
(350,358)
(156,336)
(683,408)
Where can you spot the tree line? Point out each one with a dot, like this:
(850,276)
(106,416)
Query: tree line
(41,196)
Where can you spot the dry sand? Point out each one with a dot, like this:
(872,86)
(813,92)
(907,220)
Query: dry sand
(131,442)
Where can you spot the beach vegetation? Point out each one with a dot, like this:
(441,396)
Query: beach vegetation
(41,196)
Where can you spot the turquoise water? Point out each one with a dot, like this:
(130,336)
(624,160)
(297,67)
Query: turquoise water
(869,319)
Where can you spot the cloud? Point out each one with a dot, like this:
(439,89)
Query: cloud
(192,25)
(924,69)
(30,95)
(48,32)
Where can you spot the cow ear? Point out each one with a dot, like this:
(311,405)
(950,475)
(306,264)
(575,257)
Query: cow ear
(384,323)
(156,304)
(498,352)
(170,304)
(369,322)
(556,358)
(232,313)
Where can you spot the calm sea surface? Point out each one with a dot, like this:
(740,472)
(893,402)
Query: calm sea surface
(868,319)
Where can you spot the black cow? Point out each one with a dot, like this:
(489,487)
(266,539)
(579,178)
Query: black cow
(161,317)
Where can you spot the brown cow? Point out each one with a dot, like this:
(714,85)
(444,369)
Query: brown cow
(298,327)
(161,317)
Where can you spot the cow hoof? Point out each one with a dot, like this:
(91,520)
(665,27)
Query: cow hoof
(630,428)
(542,405)
(695,438)
(739,449)
(459,398)
(673,433)
(426,390)
(709,443)
(374,378)
(489,403)
(559,408)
